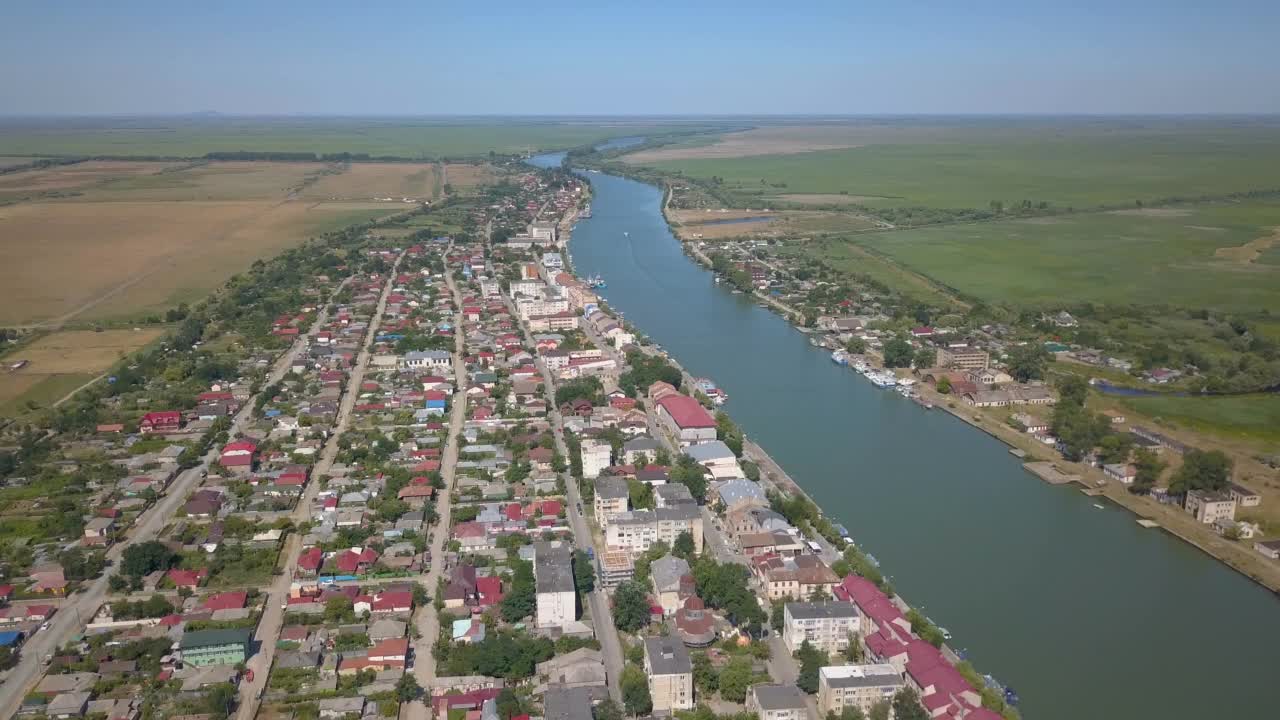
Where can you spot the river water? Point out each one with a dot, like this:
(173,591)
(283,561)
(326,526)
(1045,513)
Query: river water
(1080,610)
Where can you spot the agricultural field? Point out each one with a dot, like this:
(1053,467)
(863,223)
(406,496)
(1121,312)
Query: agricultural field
(716,224)
(8,162)
(1214,256)
(844,256)
(969,167)
(139,238)
(75,178)
(399,137)
(60,362)
(369,181)
(1238,417)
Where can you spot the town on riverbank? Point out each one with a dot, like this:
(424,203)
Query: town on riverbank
(1215,498)
(435,474)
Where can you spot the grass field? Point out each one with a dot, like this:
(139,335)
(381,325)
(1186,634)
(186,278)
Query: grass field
(60,362)
(1245,417)
(1071,166)
(419,181)
(401,137)
(1152,257)
(844,256)
(77,177)
(150,236)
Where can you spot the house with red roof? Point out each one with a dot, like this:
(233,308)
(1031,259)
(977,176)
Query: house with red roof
(488,591)
(238,456)
(415,496)
(353,562)
(164,421)
(310,561)
(397,601)
(189,579)
(227,601)
(686,419)
(293,475)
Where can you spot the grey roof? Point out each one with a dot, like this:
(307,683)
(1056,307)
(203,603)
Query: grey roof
(854,676)
(643,443)
(821,610)
(295,659)
(611,488)
(343,706)
(678,512)
(583,666)
(552,567)
(666,572)
(674,494)
(705,452)
(778,697)
(428,355)
(667,656)
(70,703)
(566,703)
(733,492)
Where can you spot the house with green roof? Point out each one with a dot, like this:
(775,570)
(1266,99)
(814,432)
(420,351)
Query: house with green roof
(215,647)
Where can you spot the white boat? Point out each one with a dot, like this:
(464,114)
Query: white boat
(626,234)
(840,357)
(1100,507)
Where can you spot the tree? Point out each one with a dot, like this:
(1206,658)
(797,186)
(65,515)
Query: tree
(925,357)
(856,345)
(880,711)
(812,661)
(630,607)
(508,704)
(584,575)
(145,558)
(778,615)
(944,385)
(848,712)
(1115,448)
(1028,362)
(898,353)
(1072,390)
(635,691)
(607,710)
(906,706)
(1149,467)
(705,677)
(521,598)
(689,473)
(408,689)
(339,609)
(683,546)
(735,679)
(1201,470)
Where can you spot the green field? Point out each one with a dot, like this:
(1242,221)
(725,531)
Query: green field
(1247,417)
(1152,257)
(404,137)
(1083,167)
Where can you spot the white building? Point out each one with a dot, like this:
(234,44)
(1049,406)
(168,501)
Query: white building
(434,359)
(861,686)
(824,625)
(635,531)
(553,575)
(596,456)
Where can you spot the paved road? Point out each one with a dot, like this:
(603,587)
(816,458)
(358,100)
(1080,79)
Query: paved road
(78,609)
(273,615)
(601,612)
(427,622)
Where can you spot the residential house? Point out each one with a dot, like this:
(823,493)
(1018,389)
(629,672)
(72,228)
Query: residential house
(215,647)
(797,578)
(670,672)
(611,498)
(665,573)
(553,574)
(165,421)
(717,458)
(825,625)
(777,702)
(595,456)
(860,686)
(1208,507)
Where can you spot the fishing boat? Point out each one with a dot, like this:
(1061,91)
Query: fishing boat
(586,212)
(1099,506)
(595,281)
(946,634)
(626,234)
(840,357)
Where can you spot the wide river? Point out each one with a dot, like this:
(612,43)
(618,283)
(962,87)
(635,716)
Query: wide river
(1080,610)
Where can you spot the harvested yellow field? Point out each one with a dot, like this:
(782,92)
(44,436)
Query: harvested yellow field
(80,351)
(212,181)
(99,260)
(75,177)
(367,181)
(462,177)
(760,141)
(60,362)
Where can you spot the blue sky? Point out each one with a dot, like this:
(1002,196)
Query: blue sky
(657,57)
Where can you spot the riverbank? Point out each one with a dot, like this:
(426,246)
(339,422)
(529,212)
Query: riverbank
(1239,556)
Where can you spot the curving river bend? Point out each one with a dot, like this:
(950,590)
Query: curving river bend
(1080,610)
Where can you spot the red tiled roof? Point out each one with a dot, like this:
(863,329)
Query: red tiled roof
(687,412)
